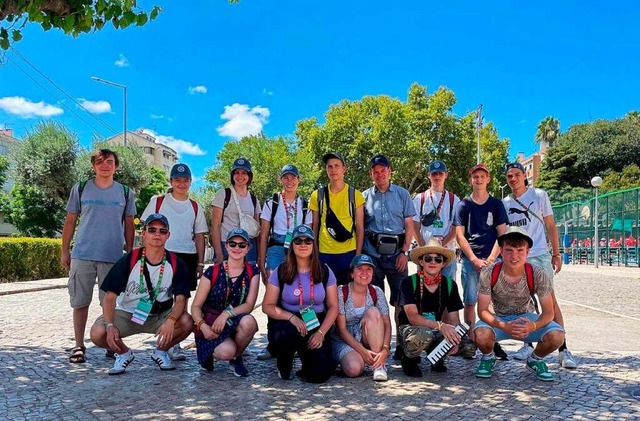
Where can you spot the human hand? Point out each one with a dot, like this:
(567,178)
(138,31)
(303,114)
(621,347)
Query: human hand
(207,332)
(300,326)
(219,323)
(113,339)
(315,341)
(401,262)
(164,335)
(450,334)
(556,263)
(65,260)
(479,263)
(380,358)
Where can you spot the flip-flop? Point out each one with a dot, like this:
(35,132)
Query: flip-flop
(78,355)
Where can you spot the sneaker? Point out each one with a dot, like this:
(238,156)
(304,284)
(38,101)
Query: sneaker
(264,355)
(523,353)
(237,365)
(500,353)
(176,353)
(122,362)
(540,368)
(398,353)
(162,359)
(567,360)
(207,364)
(380,374)
(439,367)
(110,354)
(485,368)
(284,368)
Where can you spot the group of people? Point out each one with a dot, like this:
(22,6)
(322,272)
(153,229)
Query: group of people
(323,263)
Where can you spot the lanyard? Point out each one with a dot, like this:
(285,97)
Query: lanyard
(228,279)
(311,290)
(294,206)
(157,288)
(444,192)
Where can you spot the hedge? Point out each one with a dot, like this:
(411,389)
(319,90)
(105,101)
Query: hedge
(28,259)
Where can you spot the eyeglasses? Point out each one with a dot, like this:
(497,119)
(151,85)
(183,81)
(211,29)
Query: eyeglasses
(233,244)
(429,259)
(300,241)
(153,230)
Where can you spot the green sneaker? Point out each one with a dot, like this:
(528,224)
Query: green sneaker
(540,368)
(485,368)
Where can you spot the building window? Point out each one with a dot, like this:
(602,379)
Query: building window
(3,149)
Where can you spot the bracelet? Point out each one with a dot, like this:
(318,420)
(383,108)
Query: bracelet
(230,313)
(200,264)
(535,327)
(321,332)
(387,347)
(172,317)
(440,326)
(199,324)
(555,255)
(290,317)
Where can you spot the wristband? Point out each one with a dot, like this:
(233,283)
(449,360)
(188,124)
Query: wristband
(199,324)
(230,313)
(321,332)
(290,317)
(440,326)
(172,317)
(387,347)
(108,325)
(555,255)
(535,327)
(200,264)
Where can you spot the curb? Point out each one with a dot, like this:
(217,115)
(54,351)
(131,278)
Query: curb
(20,291)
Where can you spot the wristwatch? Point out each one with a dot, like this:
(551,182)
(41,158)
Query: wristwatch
(108,325)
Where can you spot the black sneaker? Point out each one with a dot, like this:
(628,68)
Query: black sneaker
(500,354)
(439,367)
(398,353)
(237,365)
(284,369)
(208,364)
(110,354)
(412,370)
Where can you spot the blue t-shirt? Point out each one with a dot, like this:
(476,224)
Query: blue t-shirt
(480,223)
(290,294)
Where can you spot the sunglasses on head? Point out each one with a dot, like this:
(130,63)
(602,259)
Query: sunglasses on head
(153,230)
(429,259)
(234,244)
(299,241)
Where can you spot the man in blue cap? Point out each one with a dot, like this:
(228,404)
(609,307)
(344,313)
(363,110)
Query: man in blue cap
(388,228)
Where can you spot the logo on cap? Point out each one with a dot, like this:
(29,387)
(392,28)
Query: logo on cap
(436,165)
(240,161)
(181,168)
(302,229)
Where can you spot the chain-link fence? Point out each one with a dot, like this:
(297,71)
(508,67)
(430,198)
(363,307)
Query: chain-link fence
(618,228)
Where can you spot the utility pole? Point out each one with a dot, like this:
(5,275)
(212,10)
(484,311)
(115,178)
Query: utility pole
(479,128)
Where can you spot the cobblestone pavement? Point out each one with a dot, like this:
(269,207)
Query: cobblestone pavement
(37,382)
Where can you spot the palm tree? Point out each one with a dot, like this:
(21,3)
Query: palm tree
(548,132)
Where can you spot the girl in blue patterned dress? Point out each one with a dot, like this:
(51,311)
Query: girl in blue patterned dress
(221,308)
(363,326)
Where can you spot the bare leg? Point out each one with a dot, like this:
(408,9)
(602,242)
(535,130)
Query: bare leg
(373,329)
(244,333)
(352,364)
(80,316)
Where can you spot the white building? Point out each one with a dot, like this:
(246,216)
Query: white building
(157,154)
(7,141)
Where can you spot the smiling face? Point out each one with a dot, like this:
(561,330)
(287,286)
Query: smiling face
(380,175)
(181,185)
(240,177)
(290,182)
(432,263)
(302,246)
(362,274)
(515,179)
(105,165)
(237,248)
(480,179)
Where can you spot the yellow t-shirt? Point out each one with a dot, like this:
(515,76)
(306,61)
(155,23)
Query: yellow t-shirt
(340,206)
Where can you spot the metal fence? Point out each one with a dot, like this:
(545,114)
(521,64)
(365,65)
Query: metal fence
(618,229)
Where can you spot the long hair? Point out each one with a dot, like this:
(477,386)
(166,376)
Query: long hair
(288,270)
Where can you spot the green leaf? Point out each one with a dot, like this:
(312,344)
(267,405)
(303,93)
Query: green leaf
(154,13)
(69,23)
(99,24)
(4,43)
(101,6)
(116,22)
(142,19)
(16,35)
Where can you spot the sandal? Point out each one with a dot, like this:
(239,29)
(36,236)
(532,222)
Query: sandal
(78,355)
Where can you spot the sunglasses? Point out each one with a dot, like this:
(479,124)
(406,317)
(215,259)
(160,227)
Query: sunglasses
(429,259)
(233,244)
(299,241)
(153,230)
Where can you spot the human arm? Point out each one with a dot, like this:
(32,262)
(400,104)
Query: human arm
(417,234)
(166,329)
(341,325)
(265,227)
(552,232)
(204,286)
(359,228)
(108,315)
(68,229)
(466,248)
(331,313)
(200,247)
(216,236)
(402,259)
(271,309)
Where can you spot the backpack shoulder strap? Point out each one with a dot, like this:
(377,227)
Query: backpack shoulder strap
(215,273)
(352,206)
(345,293)
(495,272)
(194,205)
(321,197)
(305,209)
(249,268)
(451,197)
(136,253)
(159,201)
(325,276)
(275,202)
(227,199)
(423,197)
(254,200)
(374,294)
(173,260)
(528,268)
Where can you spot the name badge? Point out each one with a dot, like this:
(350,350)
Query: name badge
(141,313)
(430,316)
(287,240)
(310,318)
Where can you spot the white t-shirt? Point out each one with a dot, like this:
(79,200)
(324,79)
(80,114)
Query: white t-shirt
(231,217)
(128,300)
(180,215)
(280,220)
(445,211)
(536,201)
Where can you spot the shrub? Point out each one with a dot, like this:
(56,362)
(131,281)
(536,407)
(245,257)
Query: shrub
(27,259)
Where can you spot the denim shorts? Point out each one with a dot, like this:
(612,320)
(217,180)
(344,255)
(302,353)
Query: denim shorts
(543,261)
(275,256)
(450,270)
(535,336)
(470,279)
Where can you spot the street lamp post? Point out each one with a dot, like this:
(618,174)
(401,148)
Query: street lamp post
(479,129)
(596,182)
(97,79)
(502,189)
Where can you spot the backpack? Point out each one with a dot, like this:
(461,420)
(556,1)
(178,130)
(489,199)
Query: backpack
(275,202)
(83,183)
(324,192)
(227,199)
(528,268)
(372,292)
(414,281)
(194,204)
(136,255)
(423,197)
(216,272)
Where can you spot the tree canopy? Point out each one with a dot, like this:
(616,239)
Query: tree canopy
(548,131)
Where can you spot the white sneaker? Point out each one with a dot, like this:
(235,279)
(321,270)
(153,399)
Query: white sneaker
(523,353)
(122,362)
(567,360)
(380,374)
(176,353)
(162,359)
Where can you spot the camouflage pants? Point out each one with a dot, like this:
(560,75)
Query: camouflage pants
(415,339)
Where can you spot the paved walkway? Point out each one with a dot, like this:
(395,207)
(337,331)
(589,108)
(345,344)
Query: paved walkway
(37,382)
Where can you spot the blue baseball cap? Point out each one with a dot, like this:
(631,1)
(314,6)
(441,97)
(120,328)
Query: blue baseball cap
(180,170)
(516,165)
(157,217)
(379,160)
(238,232)
(302,231)
(242,164)
(289,169)
(331,155)
(361,259)
(437,166)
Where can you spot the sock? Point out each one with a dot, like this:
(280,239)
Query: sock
(563,346)
(533,356)
(488,356)
(128,353)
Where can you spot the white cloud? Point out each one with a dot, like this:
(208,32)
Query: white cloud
(200,89)
(182,147)
(157,116)
(95,107)
(267,92)
(122,61)
(26,109)
(243,121)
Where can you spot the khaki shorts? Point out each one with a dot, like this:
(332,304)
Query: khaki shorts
(82,279)
(128,328)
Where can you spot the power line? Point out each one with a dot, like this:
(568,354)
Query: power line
(99,120)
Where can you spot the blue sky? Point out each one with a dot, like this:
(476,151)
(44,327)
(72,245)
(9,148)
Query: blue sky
(208,72)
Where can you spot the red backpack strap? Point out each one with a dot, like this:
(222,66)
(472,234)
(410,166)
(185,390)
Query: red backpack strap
(249,268)
(135,256)
(194,205)
(214,274)
(159,201)
(374,294)
(494,273)
(173,260)
(345,293)
(528,268)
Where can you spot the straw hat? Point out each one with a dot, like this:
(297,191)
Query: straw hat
(432,247)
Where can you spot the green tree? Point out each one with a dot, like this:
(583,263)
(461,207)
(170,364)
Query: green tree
(267,157)
(548,131)
(158,184)
(628,178)
(4,167)
(44,177)
(5,201)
